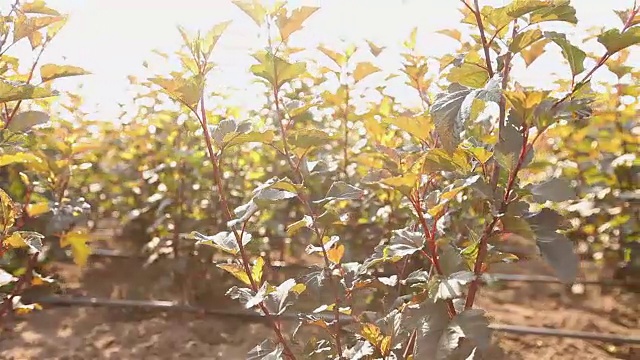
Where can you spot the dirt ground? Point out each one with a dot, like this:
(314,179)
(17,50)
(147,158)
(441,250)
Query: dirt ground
(101,333)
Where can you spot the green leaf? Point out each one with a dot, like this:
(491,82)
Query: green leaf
(556,190)
(563,12)
(452,286)
(267,350)
(440,160)
(275,70)
(451,110)
(250,137)
(614,41)
(524,40)
(468,74)
(403,243)
(571,53)
(507,151)
(49,72)
(225,241)
(363,70)
(254,9)
(555,247)
(518,8)
(222,129)
(308,137)
(280,299)
(340,190)
(270,196)
(27,119)
(14,90)
(404,183)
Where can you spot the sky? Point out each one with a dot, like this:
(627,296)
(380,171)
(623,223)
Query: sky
(112,38)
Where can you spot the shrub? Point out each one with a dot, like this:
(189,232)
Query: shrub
(401,211)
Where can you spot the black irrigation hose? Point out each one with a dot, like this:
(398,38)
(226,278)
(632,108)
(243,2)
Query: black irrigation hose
(489,277)
(253,316)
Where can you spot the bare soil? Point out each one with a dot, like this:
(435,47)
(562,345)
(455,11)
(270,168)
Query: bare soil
(101,333)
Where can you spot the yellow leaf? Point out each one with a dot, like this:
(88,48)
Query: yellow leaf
(19,158)
(257,270)
(298,289)
(335,254)
(453,33)
(290,24)
(469,74)
(24,26)
(254,9)
(534,51)
(7,211)
(237,271)
(79,248)
(187,91)
(375,50)
(15,241)
(337,58)
(38,209)
(49,72)
(212,37)
(371,333)
(419,127)
(404,183)
(385,345)
(35,38)
(38,7)
(363,70)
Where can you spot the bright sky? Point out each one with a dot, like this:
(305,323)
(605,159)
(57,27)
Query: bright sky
(112,38)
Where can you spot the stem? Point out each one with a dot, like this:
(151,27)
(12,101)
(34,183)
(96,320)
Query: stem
(346,132)
(433,248)
(31,71)
(305,201)
(227,212)
(503,107)
(483,37)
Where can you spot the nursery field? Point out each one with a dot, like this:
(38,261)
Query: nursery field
(368,202)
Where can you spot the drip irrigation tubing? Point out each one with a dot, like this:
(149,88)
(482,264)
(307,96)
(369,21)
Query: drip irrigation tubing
(254,316)
(487,278)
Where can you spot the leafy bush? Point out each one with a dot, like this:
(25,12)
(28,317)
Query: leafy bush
(485,171)
(39,211)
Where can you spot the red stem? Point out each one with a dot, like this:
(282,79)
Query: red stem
(225,205)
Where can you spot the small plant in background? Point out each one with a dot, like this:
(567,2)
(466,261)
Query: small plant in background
(39,213)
